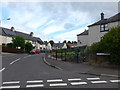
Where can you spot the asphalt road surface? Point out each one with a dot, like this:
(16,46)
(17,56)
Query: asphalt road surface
(29,71)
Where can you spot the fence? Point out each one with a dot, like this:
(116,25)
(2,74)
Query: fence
(73,55)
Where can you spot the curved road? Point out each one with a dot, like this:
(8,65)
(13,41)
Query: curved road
(26,71)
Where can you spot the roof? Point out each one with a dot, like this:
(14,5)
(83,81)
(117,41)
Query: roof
(45,43)
(58,45)
(104,21)
(72,44)
(9,32)
(83,33)
(26,36)
(38,40)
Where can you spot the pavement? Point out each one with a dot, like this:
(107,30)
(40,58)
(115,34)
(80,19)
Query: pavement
(82,68)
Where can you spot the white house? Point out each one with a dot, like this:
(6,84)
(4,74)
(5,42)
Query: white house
(7,34)
(49,46)
(59,46)
(97,30)
(83,39)
(100,28)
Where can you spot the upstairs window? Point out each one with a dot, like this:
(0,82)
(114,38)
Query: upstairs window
(103,27)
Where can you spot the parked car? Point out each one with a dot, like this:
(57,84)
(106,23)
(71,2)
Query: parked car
(35,51)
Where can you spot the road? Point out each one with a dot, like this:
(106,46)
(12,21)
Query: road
(29,71)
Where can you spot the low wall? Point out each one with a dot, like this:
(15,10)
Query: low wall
(10,50)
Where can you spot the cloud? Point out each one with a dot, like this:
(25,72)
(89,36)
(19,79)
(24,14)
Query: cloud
(60,19)
(68,25)
(52,29)
(69,35)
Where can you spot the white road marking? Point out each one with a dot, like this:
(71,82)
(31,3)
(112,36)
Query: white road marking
(38,85)
(78,83)
(6,87)
(58,84)
(2,69)
(93,78)
(75,79)
(15,60)
(98,81)
(55,80)
(109,75)
(35,81)
(114,80)
(12,82)
(27,56)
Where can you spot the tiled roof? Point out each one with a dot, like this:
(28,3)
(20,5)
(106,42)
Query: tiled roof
(104,21)
(26,36)
(83,33)
(8,32)
(58,45)
(72,44)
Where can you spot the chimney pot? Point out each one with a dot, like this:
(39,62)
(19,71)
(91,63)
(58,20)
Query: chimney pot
(12,29)
(31,33)
(102,16)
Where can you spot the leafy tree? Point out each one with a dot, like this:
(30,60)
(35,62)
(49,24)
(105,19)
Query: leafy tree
(74,42)
(69,42)
(19,41)
(28,47)
(51,42)
(64,41)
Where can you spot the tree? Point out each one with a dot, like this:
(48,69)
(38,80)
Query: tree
(64,41)
(18,41)
(51,42)
(75,42)
(28,47)
(69,42)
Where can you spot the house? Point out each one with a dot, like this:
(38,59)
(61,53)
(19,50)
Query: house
(7,35)
(72,45)
(83,39)
(59,45)
(98,29)
(49,46)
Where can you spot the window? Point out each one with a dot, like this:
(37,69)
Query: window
(103,27)
(79,41)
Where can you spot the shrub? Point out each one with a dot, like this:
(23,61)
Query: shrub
(10,45)
(28,47)
(109,44)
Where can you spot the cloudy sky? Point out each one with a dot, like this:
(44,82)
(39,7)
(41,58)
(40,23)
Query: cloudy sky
(54,20)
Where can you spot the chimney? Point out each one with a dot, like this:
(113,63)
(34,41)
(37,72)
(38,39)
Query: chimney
(31,33)
(102,16)
(12,29)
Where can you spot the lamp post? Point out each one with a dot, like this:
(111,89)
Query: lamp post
(4,19)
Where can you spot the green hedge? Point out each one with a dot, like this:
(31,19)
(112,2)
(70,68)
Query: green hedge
(109,44)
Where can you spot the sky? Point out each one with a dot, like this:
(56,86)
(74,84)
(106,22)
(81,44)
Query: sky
(56,21)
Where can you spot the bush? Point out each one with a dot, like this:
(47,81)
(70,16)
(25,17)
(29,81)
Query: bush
(10,45)
(28,47)
(109,44)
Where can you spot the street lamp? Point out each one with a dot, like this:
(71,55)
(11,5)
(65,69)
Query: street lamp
(4,19)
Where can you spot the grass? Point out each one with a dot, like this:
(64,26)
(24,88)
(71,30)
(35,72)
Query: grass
(59,54)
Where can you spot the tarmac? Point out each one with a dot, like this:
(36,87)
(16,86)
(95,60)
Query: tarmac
(82,68)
